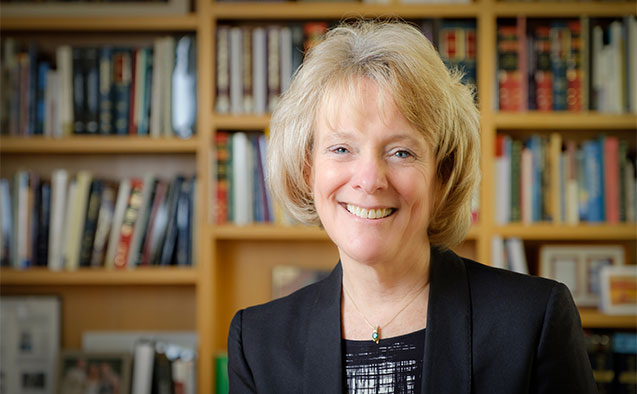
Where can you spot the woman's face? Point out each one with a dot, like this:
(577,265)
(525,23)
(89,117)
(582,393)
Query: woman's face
(372,178)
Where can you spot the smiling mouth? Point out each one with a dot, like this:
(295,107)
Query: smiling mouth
(369,213)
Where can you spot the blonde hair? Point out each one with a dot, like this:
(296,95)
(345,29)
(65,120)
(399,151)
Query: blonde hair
(398,58)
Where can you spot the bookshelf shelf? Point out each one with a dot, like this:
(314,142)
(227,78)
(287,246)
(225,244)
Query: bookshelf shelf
(241,122)
(100,23)
(564,120)
(582,232)
(97,144)
(592,318)
(300,10)
(565,9)
(88,276)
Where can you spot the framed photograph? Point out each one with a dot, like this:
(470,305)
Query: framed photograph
(578,267)
(618,285)
(286,279)
(29,344)
(104,373)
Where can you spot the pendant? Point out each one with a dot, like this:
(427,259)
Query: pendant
(376,335)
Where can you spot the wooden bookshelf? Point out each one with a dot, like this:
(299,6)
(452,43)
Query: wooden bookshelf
(97,144)
(154,276)
(233,262)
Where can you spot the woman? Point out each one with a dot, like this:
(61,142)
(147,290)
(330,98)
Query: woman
(377,142)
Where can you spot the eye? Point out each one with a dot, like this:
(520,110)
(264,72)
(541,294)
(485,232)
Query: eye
(402,154)
(339,149)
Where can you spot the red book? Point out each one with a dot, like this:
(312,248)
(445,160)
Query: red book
(509,76)
(611,179)
(543,74)
(132,126)
(222,140)
(128,225)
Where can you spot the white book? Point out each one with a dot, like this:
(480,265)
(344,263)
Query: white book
(168,67)
(526,184)
(6,219)
(242,176)
(118,217)
(156,88)
(143,360)
(52,125)
(259,70)
(631,53)
(75,228)
(498,258)
(286,58)
(222,103)
(629,179)
(68,218)
(236,80)
(140,229)
(503,189)
(64,59)
(517,258)
(59,181)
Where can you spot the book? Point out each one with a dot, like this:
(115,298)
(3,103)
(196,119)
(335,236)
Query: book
(242,179)
(259,70)
(154,223)
(274,65)
(123,194)
(91,90)
(222,103)
(141,223)
(104,223)
(90,224)
(122,80)
(184,88)
(611,179)
(79,91)
(236,74)
(59,188)
(223,182)
(168,245)
(6,219)
(183,250)
(106,90)
(77,219)
(246,70)
(120,260)
(509,77)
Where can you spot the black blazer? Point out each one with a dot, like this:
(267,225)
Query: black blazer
(488,331)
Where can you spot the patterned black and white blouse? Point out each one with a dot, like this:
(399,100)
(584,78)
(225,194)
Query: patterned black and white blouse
(394,365)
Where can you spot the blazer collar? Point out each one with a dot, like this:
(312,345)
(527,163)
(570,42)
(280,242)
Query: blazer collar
(447,357)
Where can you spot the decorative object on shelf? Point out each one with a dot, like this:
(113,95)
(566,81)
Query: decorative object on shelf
(30,343)
(82,372)
(619,289)
(286,279)
(579,268)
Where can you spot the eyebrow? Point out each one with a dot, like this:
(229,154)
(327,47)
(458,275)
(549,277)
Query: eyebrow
(344,134)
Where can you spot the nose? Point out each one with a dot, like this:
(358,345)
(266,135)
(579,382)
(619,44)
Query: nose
(371,174)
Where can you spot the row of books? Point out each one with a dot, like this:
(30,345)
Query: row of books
(544,178)
(242,196)
(508,253)
(67,222)
(255,63)
(567,65)
(613,357)
(145,90)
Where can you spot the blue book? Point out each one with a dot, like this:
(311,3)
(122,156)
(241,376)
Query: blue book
(582,196)
(43,69)
(106,90)
(144,120)
(122,74)
(92,82)
(535,144)
(6,223)
(559,48)
(593,181)
(32,89)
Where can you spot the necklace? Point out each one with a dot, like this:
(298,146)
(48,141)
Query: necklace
(376,329)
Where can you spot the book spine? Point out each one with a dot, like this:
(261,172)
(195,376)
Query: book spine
(75,228)
(43,70)
(157,82)
(236,74)
(92,81)
(574,73)
(155,224)
(103,227)
(123,194)
(183,251)
(246,69)
(516,151)
(622,161)
(543,72)
(79,91)
(141,223)
(133,90)
(222,105)
(560,38)
(122,74)
(167,95)
(168,246)
(128,224)
(259,70)
(509,78)
(106,91)
(222,185)
(611,179)
(184,88)
(594,181)
(274,66)
(88,236)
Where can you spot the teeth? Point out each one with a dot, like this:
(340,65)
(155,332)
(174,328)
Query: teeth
(369,213)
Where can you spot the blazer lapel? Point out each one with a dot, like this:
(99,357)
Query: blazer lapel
(322,371)
(447,360)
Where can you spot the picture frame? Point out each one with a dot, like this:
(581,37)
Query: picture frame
(30,343)
(578,267)
(618,285)
(103,8)
(81,372)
